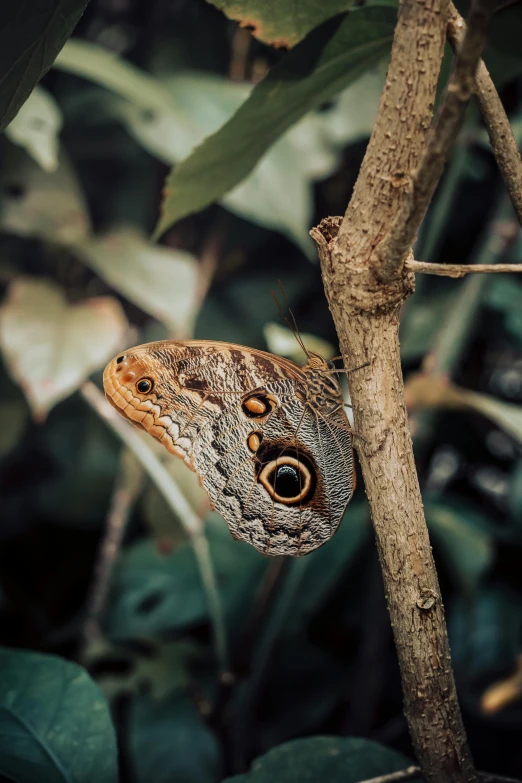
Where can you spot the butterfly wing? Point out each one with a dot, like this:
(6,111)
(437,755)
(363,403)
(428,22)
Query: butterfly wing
(274,468)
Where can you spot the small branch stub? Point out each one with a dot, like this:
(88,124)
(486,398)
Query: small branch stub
(426,600)
(459,270)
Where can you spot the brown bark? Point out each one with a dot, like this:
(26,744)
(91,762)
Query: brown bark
(366,314)
(367,322)
(399,135)
(459,270)
(392,252)
(501,138)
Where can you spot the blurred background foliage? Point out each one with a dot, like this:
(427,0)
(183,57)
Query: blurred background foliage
(312,682)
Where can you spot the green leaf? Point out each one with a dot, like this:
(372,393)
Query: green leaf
(50,347)
(32,32)
(154,593)
(162,281)
(48,205)
(170,116)
(328,60)
(332,759)
(169,743)
(55,726)
(464,542)
(284,22)
(36,128)
(279,22)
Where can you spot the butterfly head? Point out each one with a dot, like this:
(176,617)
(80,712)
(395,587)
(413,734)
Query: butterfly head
(316,362)
(132,385)
(323,388)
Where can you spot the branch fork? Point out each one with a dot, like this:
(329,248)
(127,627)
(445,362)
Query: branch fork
(368,272)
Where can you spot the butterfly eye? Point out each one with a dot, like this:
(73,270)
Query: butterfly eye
(144,385)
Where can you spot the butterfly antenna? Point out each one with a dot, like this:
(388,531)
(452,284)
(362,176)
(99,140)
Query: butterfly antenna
(292,326)
(285,319)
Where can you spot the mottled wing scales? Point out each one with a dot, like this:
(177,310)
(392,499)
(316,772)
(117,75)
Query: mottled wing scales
(195,410)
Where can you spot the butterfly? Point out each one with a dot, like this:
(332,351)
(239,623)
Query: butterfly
(269,439)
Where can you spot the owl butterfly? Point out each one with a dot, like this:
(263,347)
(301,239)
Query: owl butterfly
(268,439)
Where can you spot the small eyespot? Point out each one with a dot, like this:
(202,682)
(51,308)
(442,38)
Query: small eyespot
(257,405)
(254,441)
(145,385)
(120,359)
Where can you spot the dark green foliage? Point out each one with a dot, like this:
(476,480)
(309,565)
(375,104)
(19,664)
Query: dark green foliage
(328,60)
(54,722)
(336,759)
(32,32)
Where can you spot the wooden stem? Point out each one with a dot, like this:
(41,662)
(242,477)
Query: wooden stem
(368,331)
(459,270)
(392,252)
(501,137)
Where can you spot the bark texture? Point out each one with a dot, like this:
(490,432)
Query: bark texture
(400,132)
(367,318)
(501,138)
(366,314)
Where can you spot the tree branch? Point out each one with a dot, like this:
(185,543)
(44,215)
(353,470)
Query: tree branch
(501,138)
(459,270)
(392,252)
(366,314)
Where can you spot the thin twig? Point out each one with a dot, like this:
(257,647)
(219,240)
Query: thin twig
(392,252)
(394,777)
(450,341)
(209,256)
(415,772)
(459,270)
(192,524)
(501,138)
(127,488)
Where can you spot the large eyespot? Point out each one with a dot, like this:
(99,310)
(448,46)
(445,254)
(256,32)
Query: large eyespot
(288,475)
(120,359)
(258,404)
(287,480)
(144,385)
